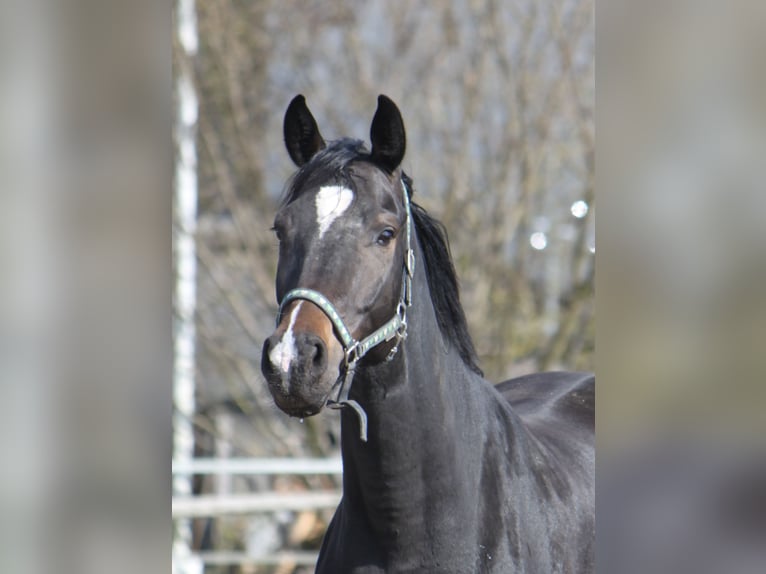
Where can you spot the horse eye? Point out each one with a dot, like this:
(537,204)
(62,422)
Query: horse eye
(278,232)
(385,237)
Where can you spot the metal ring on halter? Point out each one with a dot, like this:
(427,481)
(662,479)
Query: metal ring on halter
(401,311)
(352,355)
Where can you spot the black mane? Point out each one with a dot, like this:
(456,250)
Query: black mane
(330,164)
(442,281)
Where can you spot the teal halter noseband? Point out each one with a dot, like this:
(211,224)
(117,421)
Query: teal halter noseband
(394,328)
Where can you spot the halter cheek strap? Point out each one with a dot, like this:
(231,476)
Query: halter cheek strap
(354,350)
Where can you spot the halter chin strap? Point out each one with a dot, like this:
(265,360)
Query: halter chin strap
(394,328)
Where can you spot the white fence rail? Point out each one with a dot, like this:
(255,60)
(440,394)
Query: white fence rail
(258,502)
(303,558)
(197,506)
(259,466)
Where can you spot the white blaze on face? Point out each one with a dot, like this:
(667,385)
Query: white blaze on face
(283,352)
(331,201)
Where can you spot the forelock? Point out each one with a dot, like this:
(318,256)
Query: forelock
(329,165)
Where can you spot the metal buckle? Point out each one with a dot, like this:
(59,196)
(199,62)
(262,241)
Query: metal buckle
(352,355)
(410,262)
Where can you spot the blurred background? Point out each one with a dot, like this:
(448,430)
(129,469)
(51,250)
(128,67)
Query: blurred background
(498,103)
(681,415)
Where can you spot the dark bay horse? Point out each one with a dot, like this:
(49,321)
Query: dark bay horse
(442,471)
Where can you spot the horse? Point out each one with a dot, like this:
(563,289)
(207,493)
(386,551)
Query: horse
(442,470)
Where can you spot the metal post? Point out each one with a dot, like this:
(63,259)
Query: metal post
(186,271)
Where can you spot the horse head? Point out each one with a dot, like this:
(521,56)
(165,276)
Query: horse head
(344,258)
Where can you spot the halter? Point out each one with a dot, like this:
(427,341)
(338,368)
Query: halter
(394,328)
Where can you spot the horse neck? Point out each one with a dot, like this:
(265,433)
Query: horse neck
(417,407)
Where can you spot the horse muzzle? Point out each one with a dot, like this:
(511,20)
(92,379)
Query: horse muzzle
(299,363)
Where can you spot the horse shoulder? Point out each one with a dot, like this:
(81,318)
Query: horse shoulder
(557,411)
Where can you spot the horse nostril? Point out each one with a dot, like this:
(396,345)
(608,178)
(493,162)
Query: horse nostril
(267,367)
(319,353)
(314,353)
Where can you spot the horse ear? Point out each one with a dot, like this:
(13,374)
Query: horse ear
(302,137)
(387,135)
